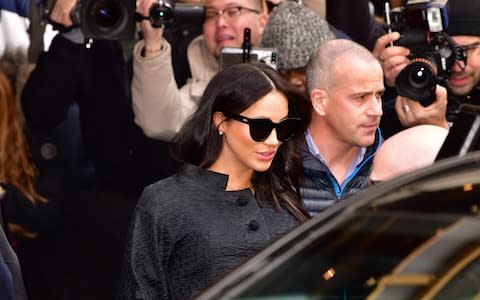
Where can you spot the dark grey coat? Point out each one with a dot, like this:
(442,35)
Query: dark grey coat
(187,231)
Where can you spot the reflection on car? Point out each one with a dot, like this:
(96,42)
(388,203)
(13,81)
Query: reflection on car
(415,237)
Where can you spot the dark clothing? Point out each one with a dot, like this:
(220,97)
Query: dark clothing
(321,189)
(17,6)
(390,124)
(179,35)
(13,273)
(81,259)
(98,80)
(18,209)
(188,231)
(354,18)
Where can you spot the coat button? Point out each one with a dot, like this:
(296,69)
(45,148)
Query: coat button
(242,201)
(253,225)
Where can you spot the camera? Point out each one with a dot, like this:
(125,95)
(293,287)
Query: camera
(165,13)
(105,19)
(116,19)
(246,54)
(231,55)
(422,25)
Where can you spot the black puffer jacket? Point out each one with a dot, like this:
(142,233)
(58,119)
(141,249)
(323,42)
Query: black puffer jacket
(322,190)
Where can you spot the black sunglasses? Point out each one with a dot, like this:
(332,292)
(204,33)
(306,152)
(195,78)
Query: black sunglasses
(260,129)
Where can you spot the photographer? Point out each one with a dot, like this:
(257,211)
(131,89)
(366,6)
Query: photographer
(84,259)
(160,106)
(462,83)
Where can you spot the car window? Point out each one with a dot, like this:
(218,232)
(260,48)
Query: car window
(353,260)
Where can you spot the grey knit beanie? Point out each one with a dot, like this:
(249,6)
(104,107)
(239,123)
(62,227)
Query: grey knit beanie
(295,31)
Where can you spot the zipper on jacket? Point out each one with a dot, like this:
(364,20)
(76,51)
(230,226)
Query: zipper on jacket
(338,189)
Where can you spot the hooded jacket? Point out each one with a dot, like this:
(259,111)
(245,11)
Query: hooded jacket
(160,106)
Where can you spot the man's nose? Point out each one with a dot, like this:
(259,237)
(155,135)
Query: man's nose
(375,107)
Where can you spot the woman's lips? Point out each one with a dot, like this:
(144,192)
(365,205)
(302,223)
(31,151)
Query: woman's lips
(267,156)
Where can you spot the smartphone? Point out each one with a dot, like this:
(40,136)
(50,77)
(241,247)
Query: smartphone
(232,55)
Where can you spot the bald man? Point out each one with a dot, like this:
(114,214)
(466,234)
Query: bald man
(345,85)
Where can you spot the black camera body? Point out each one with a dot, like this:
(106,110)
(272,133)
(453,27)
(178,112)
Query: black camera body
(422,24)
(163,13)
(105,19)
(116,19)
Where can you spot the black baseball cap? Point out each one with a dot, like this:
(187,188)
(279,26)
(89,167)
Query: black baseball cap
(463,17)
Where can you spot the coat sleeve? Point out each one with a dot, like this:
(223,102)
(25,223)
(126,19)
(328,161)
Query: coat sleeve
(160,107)
(54,84)
(143,274)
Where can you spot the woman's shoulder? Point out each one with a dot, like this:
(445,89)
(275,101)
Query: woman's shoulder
(174,191)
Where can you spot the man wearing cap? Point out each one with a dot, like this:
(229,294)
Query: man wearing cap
(462,84)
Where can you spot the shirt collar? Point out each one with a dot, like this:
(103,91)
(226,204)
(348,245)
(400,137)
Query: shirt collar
(312,148)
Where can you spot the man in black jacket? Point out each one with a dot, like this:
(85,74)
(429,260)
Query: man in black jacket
(95,76)
(463,84)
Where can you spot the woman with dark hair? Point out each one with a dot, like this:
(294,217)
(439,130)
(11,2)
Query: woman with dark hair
(237,192)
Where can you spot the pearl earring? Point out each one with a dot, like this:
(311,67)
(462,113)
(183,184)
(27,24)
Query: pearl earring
(220,132)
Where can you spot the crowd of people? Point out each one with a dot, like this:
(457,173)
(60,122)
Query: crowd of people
(140,168)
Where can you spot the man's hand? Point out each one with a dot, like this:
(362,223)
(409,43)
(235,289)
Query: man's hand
(411,113)
(152,36)
(393,59)
(61,12)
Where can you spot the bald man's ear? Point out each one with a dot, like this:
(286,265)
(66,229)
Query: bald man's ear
(319,100)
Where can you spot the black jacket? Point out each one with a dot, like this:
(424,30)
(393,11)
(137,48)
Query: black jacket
(188,231)
(98,79)
(321,190)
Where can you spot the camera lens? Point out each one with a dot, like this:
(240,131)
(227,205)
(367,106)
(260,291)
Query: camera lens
(105,13)
(107,19)
(161,14)
(417,81)
(419,77)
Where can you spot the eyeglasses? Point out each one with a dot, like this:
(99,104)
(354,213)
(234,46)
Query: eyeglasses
(229,13)
(261,128)
(462,53)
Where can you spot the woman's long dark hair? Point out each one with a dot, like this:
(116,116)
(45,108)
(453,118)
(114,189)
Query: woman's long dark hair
(234,89)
